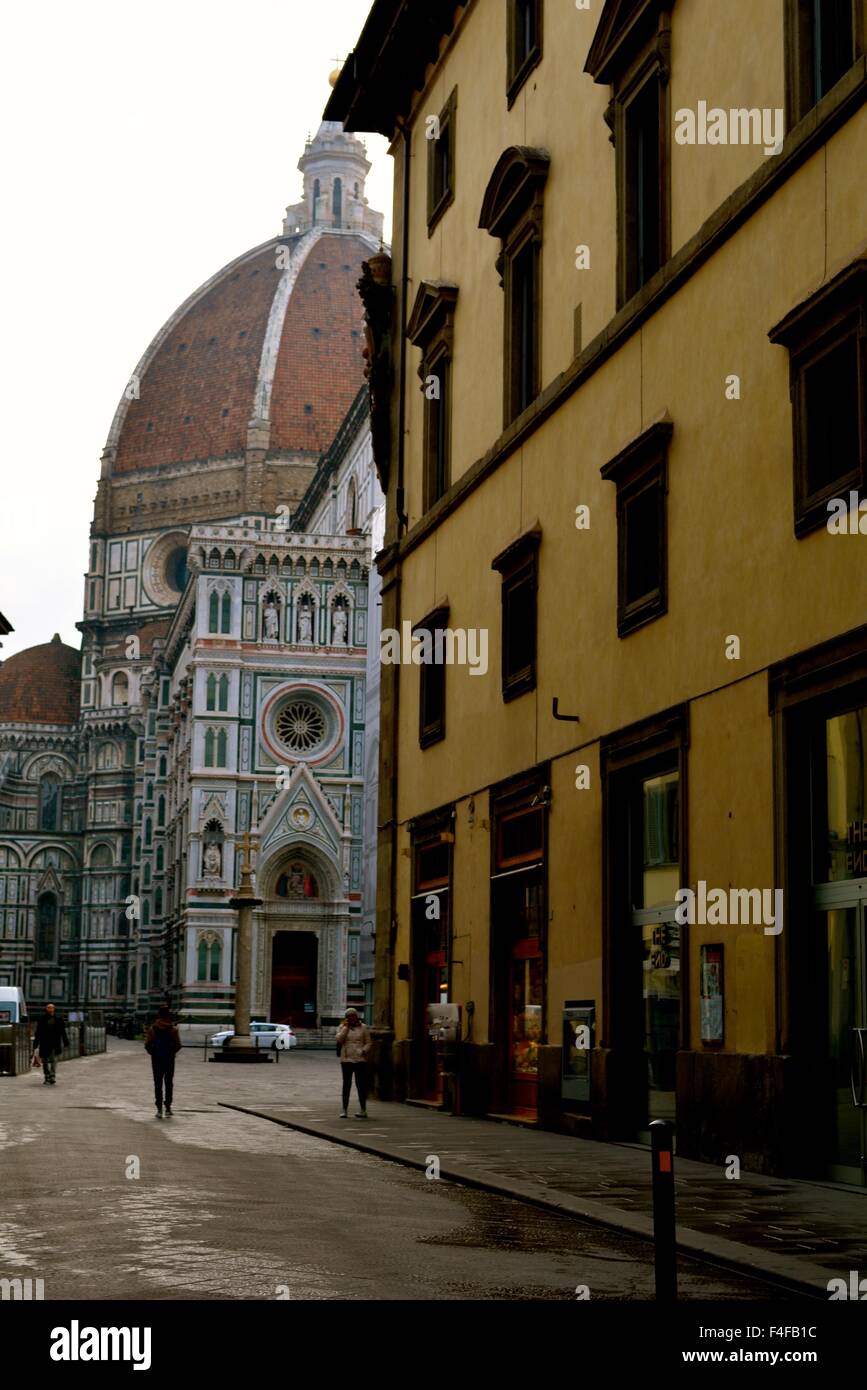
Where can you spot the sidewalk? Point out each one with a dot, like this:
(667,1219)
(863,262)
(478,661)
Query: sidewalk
(798,1234)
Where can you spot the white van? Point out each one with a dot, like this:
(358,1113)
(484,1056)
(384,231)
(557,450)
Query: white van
(12,1006)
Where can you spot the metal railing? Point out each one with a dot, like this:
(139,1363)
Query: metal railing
(86,1039)
(15,1048)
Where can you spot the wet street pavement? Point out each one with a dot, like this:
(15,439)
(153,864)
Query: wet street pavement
(102,1201)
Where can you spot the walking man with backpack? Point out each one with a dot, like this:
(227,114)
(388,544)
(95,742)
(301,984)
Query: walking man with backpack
(163,1042)
(49,1041)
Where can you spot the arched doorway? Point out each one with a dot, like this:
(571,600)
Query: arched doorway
(294,966)
(295,952)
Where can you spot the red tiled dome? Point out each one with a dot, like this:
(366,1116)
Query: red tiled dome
(41,685)
(197,387)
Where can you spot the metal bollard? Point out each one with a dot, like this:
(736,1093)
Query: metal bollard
(664,1247)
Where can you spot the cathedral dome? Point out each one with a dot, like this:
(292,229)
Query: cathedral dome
(41,685)
(268,353)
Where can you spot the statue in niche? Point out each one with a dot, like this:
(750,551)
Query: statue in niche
(305,623)
(271,621)
(338,627)
(213,860)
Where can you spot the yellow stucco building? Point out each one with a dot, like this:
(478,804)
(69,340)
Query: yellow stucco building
(618,372)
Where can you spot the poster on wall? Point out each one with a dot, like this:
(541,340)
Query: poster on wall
(712,997)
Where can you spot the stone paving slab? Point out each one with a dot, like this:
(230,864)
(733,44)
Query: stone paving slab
(799,1234)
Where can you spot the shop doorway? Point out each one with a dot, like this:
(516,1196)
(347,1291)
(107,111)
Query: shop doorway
(517,924)
(294,963)
(844,929)
(431,913)
(840,921)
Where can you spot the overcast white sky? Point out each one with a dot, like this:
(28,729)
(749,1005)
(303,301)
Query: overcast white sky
(145,145)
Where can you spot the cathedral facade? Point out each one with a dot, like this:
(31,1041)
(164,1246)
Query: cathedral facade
(223,685)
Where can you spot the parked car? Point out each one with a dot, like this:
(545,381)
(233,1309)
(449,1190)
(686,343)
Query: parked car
(13,1009)
(277,1035)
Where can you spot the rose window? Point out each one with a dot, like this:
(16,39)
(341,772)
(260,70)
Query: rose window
(301,726)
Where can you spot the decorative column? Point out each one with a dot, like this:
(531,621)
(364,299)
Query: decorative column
(240,1047)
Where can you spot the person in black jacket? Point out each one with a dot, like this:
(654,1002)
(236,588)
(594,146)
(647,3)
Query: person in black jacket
(162,1042)
(49,1041)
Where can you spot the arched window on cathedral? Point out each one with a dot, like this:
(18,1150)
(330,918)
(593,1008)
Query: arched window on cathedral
(209,748)
(216,954)
(223,693)
(226,613)
(146,874)
(46,936)
(202,963)
(221,748)
(158,902)
(214,613)
(107,756)
(149,832)
(160,859)
(337,202)
(162,764)
(316,197)
(144,975)
(161,811)
(211,692)
(49,802)
(352,507)
(120,987)
(132,981)
(120,688)
(146,913)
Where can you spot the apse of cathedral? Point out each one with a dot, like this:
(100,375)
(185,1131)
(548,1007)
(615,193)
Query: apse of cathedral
(227,683)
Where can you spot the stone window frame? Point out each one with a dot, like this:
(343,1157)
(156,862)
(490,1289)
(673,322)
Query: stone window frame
(517,566)
(432,683)
(431,330)
(439,202)
(835,314)
(642,465)
(798,46)
(628,54)
(517,71)
(512,211)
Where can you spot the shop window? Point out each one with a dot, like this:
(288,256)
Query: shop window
(441,163)
(644,945)
(518,566)
(823,39)
(640,474)
(524,43)
(432,679)
(826,337)
(631,56)
(512,211)
(431,328)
